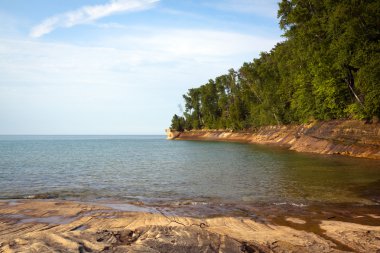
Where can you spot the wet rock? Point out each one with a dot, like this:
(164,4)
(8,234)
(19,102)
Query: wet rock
(144,232)
(122,237)
(174,239)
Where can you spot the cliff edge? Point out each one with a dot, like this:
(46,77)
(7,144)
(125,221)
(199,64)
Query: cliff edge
(344,137)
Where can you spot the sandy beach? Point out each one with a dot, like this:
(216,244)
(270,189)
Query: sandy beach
(69,226)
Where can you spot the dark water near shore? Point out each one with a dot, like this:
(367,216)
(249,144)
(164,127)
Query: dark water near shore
(153,170)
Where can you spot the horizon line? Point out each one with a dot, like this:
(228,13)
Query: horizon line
(77,134)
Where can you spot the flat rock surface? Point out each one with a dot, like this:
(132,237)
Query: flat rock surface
(63,226)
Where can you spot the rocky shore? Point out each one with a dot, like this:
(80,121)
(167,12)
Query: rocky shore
(342,137)
(64,226)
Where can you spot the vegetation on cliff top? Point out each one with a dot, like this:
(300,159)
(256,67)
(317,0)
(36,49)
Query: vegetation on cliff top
(328,68)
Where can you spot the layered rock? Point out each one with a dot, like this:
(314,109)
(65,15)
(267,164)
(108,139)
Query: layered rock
(61,226)
(343,137)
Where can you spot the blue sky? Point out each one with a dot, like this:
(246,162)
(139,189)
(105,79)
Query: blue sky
(119,66)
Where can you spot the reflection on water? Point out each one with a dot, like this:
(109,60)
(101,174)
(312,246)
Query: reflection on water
(152,169)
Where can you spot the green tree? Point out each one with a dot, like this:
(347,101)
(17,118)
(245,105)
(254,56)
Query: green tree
(178,123)
(327,68)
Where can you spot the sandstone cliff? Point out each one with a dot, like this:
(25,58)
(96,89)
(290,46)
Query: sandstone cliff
(343,137)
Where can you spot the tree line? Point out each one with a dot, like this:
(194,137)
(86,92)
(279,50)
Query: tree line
(327,68)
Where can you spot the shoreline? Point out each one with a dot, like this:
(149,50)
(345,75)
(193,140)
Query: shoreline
(43,225)
(336,137)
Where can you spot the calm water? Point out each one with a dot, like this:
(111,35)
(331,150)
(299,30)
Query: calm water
(152,169)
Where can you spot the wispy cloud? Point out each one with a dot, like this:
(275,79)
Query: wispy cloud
(170,55)
(135,50)
(193,44)
(88,14)
(107,80)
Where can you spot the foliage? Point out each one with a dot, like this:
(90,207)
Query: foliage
(178,123)
(327,68)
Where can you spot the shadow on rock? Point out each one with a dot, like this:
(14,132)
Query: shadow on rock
(173,239)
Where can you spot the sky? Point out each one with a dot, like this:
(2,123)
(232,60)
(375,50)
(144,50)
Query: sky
(119,66)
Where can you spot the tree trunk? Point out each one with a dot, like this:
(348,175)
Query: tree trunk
(351,83)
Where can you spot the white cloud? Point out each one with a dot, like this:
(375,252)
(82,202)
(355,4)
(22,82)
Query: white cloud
(122,78)
(116,85)
(192,44)
(139,49)
(88,14)
(170,55)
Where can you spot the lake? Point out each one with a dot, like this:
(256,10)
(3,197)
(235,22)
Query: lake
(151,169)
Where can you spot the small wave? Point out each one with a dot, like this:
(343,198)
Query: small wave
(290,204)
(35,196)
(43,196)
(192,203)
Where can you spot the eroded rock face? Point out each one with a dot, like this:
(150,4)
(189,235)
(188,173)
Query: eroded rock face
(343,137)
(171,134)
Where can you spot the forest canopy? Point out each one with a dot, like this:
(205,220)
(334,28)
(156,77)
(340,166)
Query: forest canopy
(327,68)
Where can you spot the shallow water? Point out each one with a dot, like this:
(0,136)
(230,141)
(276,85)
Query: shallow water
(151,169)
